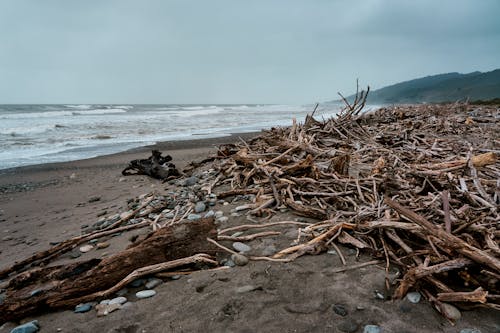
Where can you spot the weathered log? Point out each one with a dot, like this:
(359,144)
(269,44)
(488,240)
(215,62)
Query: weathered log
(155,166)
(63,286)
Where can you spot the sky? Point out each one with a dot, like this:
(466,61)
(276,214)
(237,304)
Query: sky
(234,51)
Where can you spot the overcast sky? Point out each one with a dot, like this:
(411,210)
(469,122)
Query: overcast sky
(231,51)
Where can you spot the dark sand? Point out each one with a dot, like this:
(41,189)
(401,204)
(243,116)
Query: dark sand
(48,203)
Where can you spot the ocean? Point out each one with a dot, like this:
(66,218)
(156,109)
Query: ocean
(37,134)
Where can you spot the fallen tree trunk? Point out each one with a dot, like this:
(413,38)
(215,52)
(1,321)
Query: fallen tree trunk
(68,285)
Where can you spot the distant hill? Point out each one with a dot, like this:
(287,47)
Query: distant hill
(448,87)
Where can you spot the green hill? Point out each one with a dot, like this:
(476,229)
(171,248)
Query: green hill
(448,87)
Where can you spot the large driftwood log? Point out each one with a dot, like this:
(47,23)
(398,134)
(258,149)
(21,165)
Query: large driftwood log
(67,285)
(155,166)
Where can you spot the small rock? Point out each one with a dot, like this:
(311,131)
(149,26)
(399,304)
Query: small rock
(372,329)
(222,219)
(36,292)
(137,283)
(193,217)
(239,259)
(269,251)
(175,277)
(102,245)
(145,293)
(105,301)
(75,254)
(127,305)
(229,263)
(210,213)
(122,292)
(332,252)
(235,214)
(247,288)
(470,330)
(451,312)
(118,300)
(340,310)
(241,247)
(414,297)
(82,308)
(200,207)
(86,248)
(30,327)
(190,181)
(152,283)
(219,213)
(379,295)
(72,176)
(348,326)
(94,199)
(105,309)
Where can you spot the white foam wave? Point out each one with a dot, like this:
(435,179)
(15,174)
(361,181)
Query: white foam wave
(31,129)
(79,107)
(98,111)
(34,115)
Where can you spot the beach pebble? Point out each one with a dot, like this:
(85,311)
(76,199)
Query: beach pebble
(190,181)
(72,176)
(239,259)
(193,217)
(152,283)
(247,288)
(348,326)
(372,329)
(200,207)
(145,293)
(241,247)
(451,312)
(86,248)
(229,263)
(340,310)
(470,330)
(219,213)
(122,292)
(82,308)
(105,309)
(105,301)
(414,297)
(235,214)
(118,300)
(30,327)
(137,283)
(102,245)
(222,219)
(210,213)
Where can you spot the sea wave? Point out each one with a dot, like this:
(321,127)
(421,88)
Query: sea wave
(34,115)
(98,111)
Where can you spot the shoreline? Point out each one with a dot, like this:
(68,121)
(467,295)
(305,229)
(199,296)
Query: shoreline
(24,174)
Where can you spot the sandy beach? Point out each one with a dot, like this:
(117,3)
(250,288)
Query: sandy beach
(45,204)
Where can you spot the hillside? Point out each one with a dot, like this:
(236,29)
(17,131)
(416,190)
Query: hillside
(448,87)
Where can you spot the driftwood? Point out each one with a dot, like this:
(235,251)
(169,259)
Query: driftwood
(156,166)
(416,186)
(47,288)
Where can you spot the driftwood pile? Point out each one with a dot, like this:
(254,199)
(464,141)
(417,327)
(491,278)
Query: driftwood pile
(155,166)
(417,186)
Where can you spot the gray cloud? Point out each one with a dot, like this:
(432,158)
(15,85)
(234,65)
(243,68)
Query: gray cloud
(233,51)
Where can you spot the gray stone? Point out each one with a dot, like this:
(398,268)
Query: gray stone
(235,214)
(241,247)
(247,288)
(137,283)
(118,300)
(210,213)
(219,213)
(222,219)
(30,327)
(82,308)
(200,207)
(340,309)
(190,181)
(153,282)
(239,259)
(105,301)
(229,263)
(348,326)
(470,330)
(122,292)
(451,312)
(175,277)
(193,217)
(145,293)
(372,329)
(414,297)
